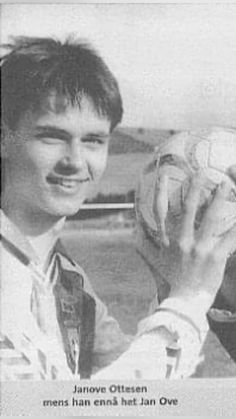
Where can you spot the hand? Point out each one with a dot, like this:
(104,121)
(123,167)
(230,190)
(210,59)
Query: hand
(201,254)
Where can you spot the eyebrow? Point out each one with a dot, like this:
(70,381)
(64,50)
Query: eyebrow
(56,131)
(53,130)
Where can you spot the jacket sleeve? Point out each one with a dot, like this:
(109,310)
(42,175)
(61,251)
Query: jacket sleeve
(168,342)
(168,345)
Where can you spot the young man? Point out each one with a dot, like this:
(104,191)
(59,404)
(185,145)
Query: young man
(60,103)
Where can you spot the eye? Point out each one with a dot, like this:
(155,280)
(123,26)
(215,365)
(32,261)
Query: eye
(50,138)
(95,140)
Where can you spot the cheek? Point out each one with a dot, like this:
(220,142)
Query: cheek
(18,161)
(26,158)
(98,165)
(41,158)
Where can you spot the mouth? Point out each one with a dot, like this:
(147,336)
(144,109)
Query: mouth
(66,182)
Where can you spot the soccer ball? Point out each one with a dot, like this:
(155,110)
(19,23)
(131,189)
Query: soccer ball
(211,151)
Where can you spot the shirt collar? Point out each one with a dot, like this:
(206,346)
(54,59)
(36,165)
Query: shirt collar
(11,232)
(44,244)
(37,249)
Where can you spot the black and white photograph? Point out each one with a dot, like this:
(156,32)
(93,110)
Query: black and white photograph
(118,209)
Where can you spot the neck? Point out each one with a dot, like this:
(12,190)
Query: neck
(31,224)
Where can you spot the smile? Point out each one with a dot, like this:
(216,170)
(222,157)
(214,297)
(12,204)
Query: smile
(70,183)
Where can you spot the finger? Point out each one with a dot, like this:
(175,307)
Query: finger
(160,204)
(191,206)
(213,215)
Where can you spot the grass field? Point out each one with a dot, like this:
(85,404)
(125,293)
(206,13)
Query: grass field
(124,283)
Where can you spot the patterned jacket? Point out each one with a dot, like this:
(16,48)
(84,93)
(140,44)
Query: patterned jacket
(54,327)
(52,318)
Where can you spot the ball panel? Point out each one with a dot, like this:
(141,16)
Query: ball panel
(212,152)
(221,157)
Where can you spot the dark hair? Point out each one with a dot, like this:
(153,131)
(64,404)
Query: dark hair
(34,67)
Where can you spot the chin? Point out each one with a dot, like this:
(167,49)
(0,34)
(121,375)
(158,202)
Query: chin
(65,210)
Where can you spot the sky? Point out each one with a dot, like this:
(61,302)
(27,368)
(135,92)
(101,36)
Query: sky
(175,63)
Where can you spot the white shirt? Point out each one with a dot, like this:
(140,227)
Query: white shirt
(168,343)
(28,315)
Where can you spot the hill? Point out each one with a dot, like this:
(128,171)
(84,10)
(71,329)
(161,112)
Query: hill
(136,140)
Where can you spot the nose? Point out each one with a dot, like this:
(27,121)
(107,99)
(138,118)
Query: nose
(73,159)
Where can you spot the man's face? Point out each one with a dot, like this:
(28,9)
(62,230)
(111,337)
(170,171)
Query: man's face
(54,157)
